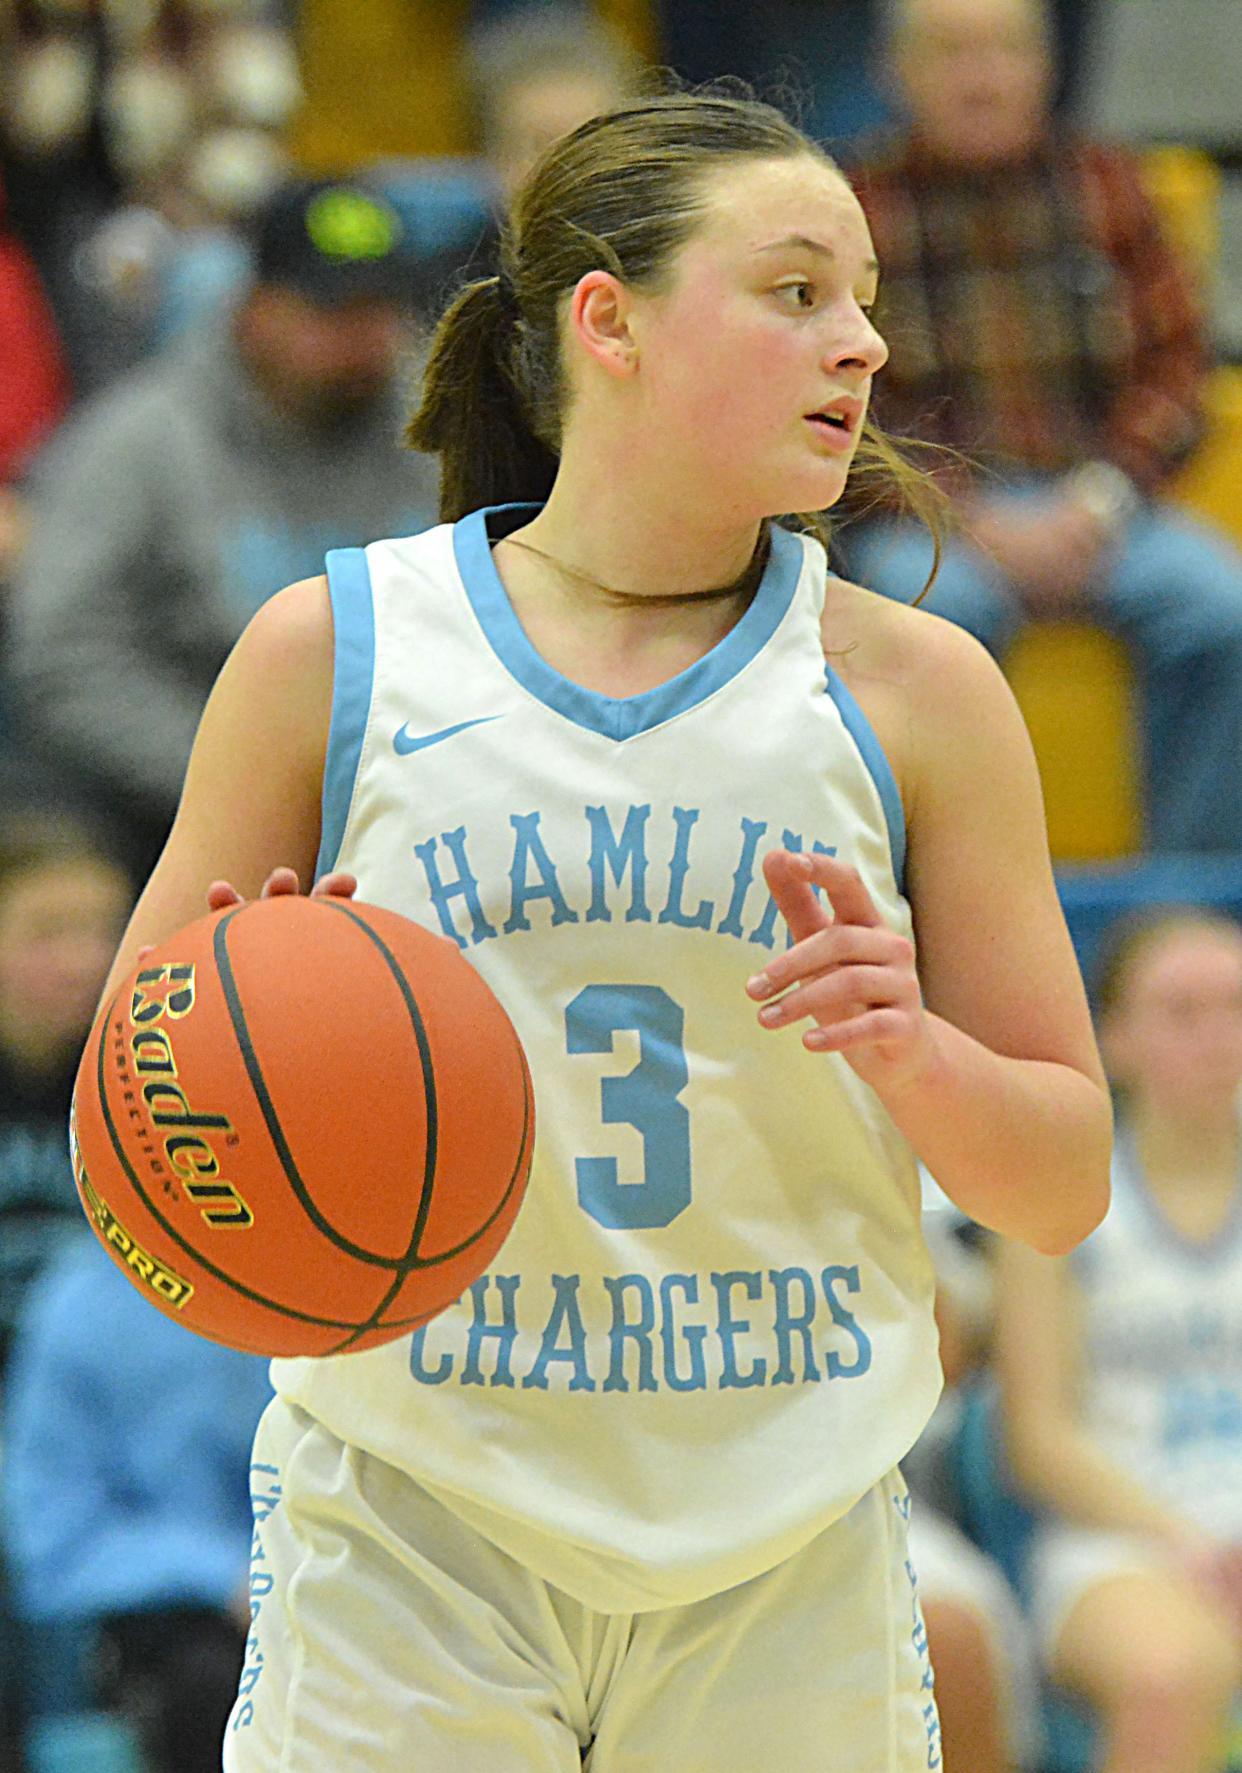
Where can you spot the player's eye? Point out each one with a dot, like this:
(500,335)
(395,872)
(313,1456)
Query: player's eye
(800,293)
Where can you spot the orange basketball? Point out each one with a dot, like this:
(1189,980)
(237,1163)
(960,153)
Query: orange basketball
(303,1126)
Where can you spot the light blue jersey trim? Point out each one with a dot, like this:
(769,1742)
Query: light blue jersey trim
(614,717)
(353,620)
(872,753)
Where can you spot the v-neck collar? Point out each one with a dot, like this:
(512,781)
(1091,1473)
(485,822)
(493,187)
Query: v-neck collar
(614,717)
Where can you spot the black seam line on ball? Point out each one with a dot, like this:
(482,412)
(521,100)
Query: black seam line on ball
(204,1263)
(412,1262)
(375,1321)
(241,1032)
(394,1325)
(431,1148)
(480,1230)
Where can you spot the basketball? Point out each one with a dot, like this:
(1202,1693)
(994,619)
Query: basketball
(302,1126)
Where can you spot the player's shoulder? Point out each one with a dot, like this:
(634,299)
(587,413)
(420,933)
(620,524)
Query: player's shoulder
(299,622)
(884,634)
(298,616)
(287,650)
(924,682)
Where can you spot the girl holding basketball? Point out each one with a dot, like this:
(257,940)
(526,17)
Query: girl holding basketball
(684,799)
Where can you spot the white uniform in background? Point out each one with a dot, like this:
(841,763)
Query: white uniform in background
(951,1566)
(708,1340)
(1161,1385)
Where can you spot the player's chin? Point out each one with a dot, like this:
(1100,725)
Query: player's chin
(816,485)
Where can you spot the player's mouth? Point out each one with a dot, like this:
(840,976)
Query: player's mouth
(837,423)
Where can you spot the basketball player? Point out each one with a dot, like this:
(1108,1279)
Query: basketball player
(1123,1369)
(634,1502)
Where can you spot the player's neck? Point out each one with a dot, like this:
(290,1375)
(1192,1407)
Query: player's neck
(621,533)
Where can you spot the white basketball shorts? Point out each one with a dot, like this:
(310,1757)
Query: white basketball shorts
(387,1636)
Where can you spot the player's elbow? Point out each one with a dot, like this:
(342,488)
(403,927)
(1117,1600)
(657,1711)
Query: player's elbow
(1061,1243)
(1083,1202)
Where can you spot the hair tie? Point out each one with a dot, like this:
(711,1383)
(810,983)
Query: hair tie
(510,307)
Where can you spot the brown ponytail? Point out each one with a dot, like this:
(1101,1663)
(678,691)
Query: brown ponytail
(472,415)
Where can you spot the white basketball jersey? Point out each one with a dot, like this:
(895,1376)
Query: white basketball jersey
(710,1331)
(1162,1378)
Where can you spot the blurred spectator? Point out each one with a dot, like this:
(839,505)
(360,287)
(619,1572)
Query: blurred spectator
(1038,321)
(62,906)
(33,387)
(124,126)
(536,73)
(1121,1368)
(170,509)
(533,72)
(33,384)
(826,57)
(979,1642)
(128,1517)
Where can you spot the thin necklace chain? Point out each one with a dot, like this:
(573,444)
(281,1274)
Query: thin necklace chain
(746,582)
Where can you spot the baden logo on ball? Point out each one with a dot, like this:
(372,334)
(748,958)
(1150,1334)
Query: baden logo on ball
(181,1131)
(303,1126)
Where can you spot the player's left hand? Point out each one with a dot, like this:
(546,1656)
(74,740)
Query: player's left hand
(847,971)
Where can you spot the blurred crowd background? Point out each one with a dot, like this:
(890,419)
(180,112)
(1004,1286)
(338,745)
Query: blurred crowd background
(225,229)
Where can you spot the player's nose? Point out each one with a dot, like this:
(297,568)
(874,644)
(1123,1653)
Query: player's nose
(857,345)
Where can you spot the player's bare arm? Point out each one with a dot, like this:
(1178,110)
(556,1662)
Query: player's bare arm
(248,820)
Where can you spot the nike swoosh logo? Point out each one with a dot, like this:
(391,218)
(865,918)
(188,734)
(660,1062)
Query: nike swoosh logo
(404,742)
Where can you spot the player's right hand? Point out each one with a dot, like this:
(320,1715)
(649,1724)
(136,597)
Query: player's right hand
(281,883)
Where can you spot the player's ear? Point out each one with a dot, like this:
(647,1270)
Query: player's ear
(599,313)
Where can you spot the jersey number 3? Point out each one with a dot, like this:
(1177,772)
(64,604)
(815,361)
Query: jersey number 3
(645,1098)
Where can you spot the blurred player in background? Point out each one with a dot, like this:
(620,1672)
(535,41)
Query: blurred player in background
(1122,1369)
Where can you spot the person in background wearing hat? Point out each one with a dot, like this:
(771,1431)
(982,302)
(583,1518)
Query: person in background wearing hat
(167,508)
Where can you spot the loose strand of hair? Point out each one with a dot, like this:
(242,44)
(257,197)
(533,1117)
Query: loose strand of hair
(885,475)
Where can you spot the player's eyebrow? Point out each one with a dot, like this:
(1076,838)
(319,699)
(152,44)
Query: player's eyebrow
(809,245)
